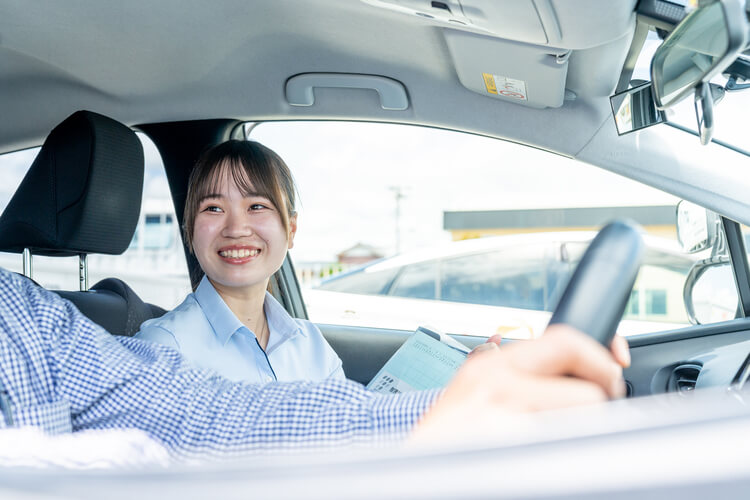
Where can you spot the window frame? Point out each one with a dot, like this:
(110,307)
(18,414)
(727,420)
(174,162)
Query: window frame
(739,261)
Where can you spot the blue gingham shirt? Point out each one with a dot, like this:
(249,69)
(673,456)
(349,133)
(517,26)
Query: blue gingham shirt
(210,335)
(63,373)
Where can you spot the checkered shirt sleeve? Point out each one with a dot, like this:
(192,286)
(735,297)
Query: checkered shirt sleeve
(63,373)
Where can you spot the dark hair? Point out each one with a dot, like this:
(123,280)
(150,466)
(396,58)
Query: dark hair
(246,162)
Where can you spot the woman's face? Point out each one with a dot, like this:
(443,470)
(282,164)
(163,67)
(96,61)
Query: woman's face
(240,240)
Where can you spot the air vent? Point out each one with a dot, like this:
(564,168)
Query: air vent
(683,378)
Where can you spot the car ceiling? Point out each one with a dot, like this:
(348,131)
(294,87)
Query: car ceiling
(143,62)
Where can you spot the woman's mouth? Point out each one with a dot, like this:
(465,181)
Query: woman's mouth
(238,256)
(240,253)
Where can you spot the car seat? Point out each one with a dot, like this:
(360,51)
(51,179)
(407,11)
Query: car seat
(82,195)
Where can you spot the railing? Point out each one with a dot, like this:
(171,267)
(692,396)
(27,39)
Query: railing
(310,274)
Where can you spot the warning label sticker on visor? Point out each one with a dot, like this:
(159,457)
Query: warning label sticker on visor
(506,87)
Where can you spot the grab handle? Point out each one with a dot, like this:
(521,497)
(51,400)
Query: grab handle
(299,88)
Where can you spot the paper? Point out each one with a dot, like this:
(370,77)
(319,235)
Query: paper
(422,362)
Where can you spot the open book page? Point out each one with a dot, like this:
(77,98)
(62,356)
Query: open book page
(427,360)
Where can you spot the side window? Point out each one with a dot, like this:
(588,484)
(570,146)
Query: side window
(157,232)
(13,167)
(154,263)
(513,278)
(484,232)
(362,281)
(416,281)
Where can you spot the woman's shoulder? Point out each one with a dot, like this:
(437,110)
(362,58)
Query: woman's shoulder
(308,328)
(329,358)
(313,333)
(175,321)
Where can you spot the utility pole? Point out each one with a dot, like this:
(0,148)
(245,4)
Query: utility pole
(398,192)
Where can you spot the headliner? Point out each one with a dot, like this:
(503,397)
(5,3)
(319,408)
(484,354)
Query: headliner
(141,61)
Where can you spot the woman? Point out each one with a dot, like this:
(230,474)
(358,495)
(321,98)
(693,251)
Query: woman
(239,223)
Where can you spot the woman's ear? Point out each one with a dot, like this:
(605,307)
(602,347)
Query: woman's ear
(292,229)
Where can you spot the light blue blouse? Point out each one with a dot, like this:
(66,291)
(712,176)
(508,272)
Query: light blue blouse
(208,334)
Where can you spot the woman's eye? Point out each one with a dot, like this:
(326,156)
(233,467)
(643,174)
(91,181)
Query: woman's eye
(257,206)
(211,208)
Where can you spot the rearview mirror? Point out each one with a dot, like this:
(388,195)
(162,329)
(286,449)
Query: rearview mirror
(634,109)
(702,45)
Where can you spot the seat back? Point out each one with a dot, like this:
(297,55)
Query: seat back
(112,304)
(82,195)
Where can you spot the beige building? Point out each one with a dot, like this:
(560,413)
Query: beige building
(658,220)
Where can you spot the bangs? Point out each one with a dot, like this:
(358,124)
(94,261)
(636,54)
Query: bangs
(234,169)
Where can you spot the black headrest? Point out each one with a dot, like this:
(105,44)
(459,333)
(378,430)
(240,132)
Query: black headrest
(82,194)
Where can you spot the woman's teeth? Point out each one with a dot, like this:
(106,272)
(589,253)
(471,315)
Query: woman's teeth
(239,254)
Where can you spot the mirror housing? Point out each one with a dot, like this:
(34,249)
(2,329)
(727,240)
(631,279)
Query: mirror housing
(634,109)
(710,293)
(700,47)
(706,95)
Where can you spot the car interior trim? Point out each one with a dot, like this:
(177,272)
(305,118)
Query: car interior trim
(738,257)
(691,332)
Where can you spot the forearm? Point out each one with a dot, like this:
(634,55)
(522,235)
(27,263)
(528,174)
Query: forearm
(194,412)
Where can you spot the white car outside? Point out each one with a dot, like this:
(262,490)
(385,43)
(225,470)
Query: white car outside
(430,287)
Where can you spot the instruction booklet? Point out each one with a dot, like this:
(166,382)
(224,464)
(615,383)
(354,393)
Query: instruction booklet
(427,360)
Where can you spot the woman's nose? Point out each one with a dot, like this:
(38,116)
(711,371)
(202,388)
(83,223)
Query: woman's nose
(237,226)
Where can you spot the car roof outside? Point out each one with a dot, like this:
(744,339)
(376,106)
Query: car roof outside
(496,243)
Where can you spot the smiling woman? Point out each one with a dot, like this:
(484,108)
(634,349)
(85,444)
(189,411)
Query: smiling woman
(240,208)
(239,223)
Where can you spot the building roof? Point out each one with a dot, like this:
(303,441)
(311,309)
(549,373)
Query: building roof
(361,250)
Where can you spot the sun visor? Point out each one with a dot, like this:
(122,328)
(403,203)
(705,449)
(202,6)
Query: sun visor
(517,50)
(525,74)
(572,24)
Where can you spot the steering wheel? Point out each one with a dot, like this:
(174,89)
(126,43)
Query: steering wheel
(597,293)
